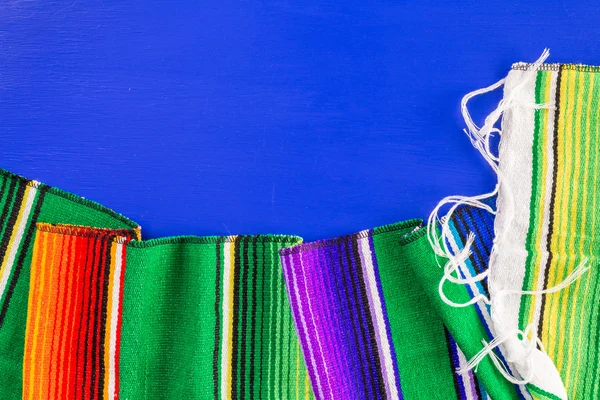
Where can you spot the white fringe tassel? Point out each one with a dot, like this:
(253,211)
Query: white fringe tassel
(439,239)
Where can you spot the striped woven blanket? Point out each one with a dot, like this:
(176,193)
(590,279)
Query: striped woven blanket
(91,313)
(366,327)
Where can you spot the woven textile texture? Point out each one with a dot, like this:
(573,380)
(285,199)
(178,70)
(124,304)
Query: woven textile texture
(367,331)
(467,325)
(547,208)
(208,318)
(184,317)
(74,316)
(22,204)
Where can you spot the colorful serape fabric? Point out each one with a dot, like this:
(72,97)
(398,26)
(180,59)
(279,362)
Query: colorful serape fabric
(549,157)
(23,203)
(95,315)
(467,325)
(367,331)
(72,337)
(209,318)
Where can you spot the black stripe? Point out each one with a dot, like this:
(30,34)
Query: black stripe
(237,281)
(345,261)
(217,319)
(280,332)
(369,318)
(552,197)
(6,188)
(24,251)
(4,215)
(452,369)
(483,217)
(87,322)
(253,318)
(464,227)
(98,313)
(262,319)
(272,331)
(105,296)
(12,219)
(481,264)
(245,306)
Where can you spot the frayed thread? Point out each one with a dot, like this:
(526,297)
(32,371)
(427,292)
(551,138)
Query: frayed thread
(443,245)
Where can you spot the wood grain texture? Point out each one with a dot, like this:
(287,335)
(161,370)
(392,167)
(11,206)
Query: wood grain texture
(245,117)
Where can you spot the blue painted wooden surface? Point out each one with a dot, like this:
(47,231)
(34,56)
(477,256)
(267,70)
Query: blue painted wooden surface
(252,117)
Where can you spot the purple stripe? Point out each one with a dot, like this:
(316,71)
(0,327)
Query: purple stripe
(456,365)
(385,314)
(364,319)
(354,317)
(473,384)
(344,333)
(334,335)
(298,307)
(321,314)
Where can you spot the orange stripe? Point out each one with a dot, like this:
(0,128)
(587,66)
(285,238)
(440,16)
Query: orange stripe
(34,294)
(38,332)
(56,320)
(52,266)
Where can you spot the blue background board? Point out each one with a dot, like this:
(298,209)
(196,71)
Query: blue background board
(221,117)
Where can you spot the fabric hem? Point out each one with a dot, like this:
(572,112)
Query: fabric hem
(411,223)
(522,66)
(72,197)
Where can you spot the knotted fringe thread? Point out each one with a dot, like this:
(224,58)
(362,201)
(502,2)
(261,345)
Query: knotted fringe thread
(455,268)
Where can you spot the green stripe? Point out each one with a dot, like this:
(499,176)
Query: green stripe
(537,192)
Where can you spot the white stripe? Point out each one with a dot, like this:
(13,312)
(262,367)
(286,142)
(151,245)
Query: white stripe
(16,238)
(311,353)
(116,294)
(312,317)
(466,377)
(226,306)
(546,212)
(379,321)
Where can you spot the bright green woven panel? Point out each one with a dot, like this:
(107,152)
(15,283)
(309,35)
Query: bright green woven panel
(22,204)
(208,318)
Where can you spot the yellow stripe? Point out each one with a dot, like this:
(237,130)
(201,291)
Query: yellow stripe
(543,157)
(306,387)
(575,290)
(109,316)
(563,120)
(297,367)
(230,322)
(571,222)
(16,225)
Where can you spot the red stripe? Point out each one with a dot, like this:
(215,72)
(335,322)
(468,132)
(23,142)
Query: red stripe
(105,250)
(69,383)
(120,320)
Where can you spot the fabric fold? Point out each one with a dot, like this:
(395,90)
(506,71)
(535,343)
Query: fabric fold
(366,328)
(92,312)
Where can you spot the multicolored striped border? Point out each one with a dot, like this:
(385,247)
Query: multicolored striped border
(338,279)
(73,327)
(20,202)
(552,161)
